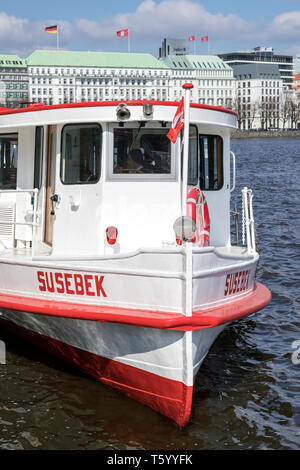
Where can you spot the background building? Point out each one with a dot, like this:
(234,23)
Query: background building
(297,64)
(212,78)
(57,77)
(264,55)
(259,96)
(13,81)
(173,47)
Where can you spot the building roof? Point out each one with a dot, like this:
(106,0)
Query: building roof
(93,59)
(258,55)
(192,62)
(256,71)
(11,60)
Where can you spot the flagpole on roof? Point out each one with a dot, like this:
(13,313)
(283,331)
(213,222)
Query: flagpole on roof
(128,40)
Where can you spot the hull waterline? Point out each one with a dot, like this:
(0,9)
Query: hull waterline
(155,365)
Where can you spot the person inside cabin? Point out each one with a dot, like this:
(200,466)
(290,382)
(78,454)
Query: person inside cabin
(135,163)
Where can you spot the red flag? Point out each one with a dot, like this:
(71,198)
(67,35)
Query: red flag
(177,123)
(204,38)
(122,33)
(192,38)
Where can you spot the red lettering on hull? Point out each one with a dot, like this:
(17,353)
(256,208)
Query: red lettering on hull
(71,284)
(236,282)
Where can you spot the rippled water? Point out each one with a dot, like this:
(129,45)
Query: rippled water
(247,393)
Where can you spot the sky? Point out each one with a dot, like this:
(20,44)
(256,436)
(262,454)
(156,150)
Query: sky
(91,25)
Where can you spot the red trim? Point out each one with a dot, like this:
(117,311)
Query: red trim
(230,311)
(169,397)
(90,104)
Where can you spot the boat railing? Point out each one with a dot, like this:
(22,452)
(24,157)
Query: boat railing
(248,232)
(31,219)
(248,227)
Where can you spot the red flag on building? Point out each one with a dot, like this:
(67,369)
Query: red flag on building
(204,38)
(177,123)
(122,33)
(192,38)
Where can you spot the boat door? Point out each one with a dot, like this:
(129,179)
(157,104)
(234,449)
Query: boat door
(50,184)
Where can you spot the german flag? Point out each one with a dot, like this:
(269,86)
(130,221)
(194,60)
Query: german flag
(51,29)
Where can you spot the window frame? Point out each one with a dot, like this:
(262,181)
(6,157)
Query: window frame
(15,135)
(199,135)
(144,177)
(38,159)
(222,161)
(61,151)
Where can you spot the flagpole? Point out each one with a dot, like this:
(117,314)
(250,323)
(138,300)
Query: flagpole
(128,41)
(185,164)
(57,39)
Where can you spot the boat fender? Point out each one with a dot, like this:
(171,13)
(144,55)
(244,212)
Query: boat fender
(201,216)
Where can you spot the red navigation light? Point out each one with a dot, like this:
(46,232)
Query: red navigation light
(111,235)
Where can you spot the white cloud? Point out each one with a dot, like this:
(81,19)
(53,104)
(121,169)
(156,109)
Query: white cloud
(149,24)
(20,36)
(177,18)
(286,26)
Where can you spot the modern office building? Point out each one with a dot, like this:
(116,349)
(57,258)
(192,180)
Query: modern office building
(13,81)
(57,77)
(259,97)
(264,55)
(297,64)
(212,78)
(173,47)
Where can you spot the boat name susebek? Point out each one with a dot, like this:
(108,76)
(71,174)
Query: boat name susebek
(72,284)
(236,282)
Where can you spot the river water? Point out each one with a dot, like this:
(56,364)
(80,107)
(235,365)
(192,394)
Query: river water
(247,393)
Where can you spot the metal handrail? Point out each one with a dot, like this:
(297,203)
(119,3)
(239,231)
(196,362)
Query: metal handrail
(248,229)
(34,223)
(233,171)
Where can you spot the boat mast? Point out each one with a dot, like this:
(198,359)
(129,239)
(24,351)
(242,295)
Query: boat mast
(185,165)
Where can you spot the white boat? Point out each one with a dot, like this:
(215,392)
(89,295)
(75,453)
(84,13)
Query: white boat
(115,244)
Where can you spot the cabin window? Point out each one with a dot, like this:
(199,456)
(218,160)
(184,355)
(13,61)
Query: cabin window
(142,151)
(193,167)
(8,161)
(38,157)
(81,151)
(205,161)
(211,162)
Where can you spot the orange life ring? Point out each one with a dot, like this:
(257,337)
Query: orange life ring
(201,218)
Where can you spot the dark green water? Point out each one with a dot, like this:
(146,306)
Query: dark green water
(247,393)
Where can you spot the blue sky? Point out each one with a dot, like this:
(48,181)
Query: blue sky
(92,24)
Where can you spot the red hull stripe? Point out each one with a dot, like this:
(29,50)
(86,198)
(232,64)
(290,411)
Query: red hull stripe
(43,107)
(230,311)
(170,398)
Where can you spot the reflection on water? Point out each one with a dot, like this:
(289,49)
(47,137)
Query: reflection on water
(247,391)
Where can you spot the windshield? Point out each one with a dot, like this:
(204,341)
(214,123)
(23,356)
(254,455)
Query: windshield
(141,150)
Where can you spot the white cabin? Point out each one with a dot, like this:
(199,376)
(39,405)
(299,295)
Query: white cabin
(75,154)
